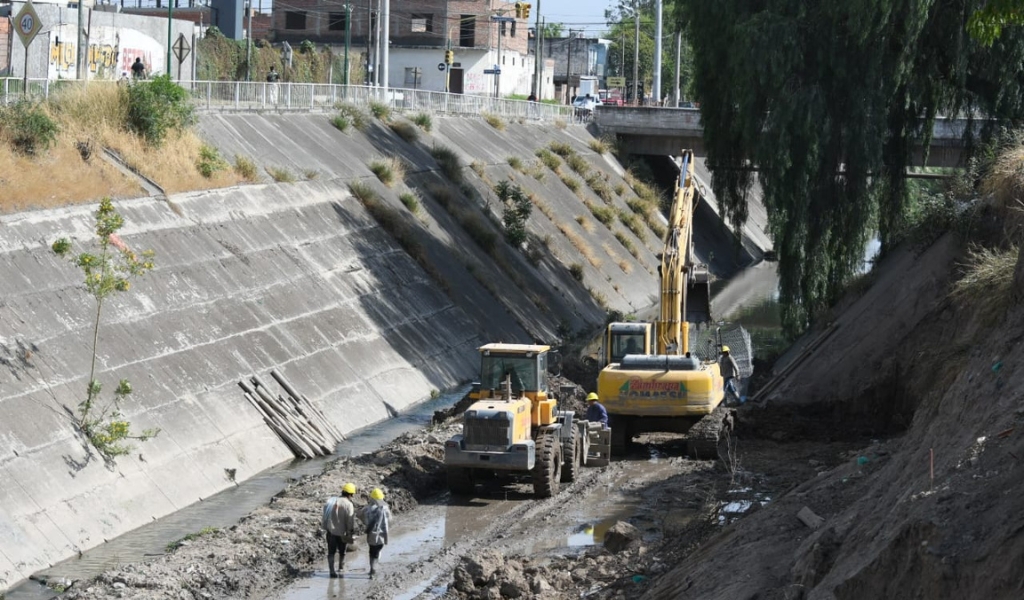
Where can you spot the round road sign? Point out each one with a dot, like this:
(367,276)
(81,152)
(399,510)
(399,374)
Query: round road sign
(26,24)
(440,66)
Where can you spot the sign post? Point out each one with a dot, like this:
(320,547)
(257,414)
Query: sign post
(27,24)
(181,49)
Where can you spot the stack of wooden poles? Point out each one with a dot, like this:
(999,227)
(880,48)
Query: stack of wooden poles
(299,424)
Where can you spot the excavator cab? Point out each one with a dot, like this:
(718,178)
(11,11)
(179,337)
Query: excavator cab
(627,338)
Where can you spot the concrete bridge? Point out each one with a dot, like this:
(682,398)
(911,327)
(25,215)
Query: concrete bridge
(664,131)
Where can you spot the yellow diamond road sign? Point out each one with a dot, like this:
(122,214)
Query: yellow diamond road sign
(27,24)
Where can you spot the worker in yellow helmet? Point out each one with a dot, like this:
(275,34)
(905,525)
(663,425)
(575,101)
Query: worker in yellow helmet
(596,412)
(340,524)
(730,371)
(376,516)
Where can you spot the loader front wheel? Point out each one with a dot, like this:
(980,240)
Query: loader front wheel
(572,452)
(547,469)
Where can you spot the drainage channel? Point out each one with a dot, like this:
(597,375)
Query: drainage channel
(225,508)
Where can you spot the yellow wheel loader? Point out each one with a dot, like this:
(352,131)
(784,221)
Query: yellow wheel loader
(513,426)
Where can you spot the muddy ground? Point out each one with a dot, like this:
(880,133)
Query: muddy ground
(610,534)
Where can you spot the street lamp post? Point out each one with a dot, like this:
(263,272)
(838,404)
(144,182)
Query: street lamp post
(348,37)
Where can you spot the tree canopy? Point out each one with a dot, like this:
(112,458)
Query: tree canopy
(827,101)
(621,20)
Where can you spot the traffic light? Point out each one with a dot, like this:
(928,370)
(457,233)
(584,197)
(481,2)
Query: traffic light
(526,11)
(519,10)
(449,57)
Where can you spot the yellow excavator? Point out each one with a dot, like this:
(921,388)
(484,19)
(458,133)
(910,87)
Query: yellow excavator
(514,426)
(652,379)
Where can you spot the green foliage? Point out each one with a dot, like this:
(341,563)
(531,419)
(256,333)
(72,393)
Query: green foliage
(987,283)
(604,214)
(986,23)
(281,174)
(171,547)
(572,183)
(353,115)
(576,270)
(210,161)
(578,164)
(340,122)
(621,23)
(27,127)
(599,146)
(633,224)
(494,121)
(562,149)
(516,212)
(245,167)
(388,170)
(627,244)
(424,121)
(107,271)
(553,30)
(307,47)
(449,162)
(619,189)
(516,163)
(480,232)
(548,159)
(410,201)
(157,107)
(405,130)
(380,110)
(363,192)
(830,99)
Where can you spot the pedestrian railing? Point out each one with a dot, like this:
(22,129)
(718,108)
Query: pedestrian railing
(299,97)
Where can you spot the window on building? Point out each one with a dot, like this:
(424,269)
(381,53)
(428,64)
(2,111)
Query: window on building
(504,29)
(295,19)
(336,22)
(513,29)
(467,31)
(422,23)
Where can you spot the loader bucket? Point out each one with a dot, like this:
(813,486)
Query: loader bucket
(698,302)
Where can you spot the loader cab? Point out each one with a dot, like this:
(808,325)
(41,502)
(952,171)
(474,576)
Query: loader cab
(627,338)
(526,365)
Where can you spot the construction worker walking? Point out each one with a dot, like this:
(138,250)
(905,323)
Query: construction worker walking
(376,516)
(730,371)
(340,524)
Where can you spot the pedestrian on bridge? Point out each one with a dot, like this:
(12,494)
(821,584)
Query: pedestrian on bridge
(340,524)
(376,516)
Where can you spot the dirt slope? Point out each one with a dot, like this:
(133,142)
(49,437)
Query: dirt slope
(902,357)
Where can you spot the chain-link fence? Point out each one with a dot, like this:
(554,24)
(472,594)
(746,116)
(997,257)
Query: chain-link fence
(706,341)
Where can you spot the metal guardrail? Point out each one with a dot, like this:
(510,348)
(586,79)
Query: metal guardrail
(299,97)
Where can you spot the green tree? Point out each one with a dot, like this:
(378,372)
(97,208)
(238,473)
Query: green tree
(828,100)
(986,23)
(554,30)
(516,212)
(107,272)
(622,33)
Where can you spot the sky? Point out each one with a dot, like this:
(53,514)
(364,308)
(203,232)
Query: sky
(585,14)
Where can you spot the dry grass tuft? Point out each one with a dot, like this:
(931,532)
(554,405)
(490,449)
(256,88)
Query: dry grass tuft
(585,223)
(580,244)
(599,146)
(388,170)
(494,121)
(405,130)
(246,168)
(1005,180)
(280,174)
(987,282)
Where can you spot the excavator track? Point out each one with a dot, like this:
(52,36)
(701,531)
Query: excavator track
(704,438)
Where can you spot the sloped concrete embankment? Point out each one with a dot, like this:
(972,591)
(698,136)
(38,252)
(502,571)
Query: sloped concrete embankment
(296,277)
(902,357)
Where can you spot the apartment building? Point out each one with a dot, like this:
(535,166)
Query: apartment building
(484,35)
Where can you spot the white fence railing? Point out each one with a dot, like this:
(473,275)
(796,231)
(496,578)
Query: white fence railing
(253,96)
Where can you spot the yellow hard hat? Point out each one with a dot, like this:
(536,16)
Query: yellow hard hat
(377,494)
(349,488)
(591,397)
(725,348)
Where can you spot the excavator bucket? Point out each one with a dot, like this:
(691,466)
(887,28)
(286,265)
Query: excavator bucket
(698,302)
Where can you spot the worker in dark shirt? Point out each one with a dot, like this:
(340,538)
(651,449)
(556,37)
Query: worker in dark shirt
(596,412)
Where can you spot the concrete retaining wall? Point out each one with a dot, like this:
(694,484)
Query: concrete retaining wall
(296,277)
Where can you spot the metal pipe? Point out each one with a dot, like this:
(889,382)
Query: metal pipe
(656,92)
(386,45)
(636,55)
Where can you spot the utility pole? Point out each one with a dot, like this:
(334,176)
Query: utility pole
(636,56)
(376,49)
(656,92)
(369,41)
(497,63)
(386,45)
(248,43)
(348,38)
(170,15)
(568,67)
(80,59)
(538,48)
(679,57)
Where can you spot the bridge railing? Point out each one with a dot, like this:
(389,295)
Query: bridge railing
(287,96)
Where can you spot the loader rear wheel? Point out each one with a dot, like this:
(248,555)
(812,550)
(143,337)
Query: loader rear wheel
(460,481)
(548,468)
(573,455)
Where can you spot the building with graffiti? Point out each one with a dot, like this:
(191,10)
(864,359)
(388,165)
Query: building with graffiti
(113,40)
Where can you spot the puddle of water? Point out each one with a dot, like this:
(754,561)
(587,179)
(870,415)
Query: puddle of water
(225,508)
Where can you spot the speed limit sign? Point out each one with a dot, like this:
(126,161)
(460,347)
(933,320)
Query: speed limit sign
(27,23)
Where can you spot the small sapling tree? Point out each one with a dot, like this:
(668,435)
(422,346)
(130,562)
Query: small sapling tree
(107,270)
(517,211)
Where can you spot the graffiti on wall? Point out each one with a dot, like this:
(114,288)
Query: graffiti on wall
(110,55)
(475,82)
